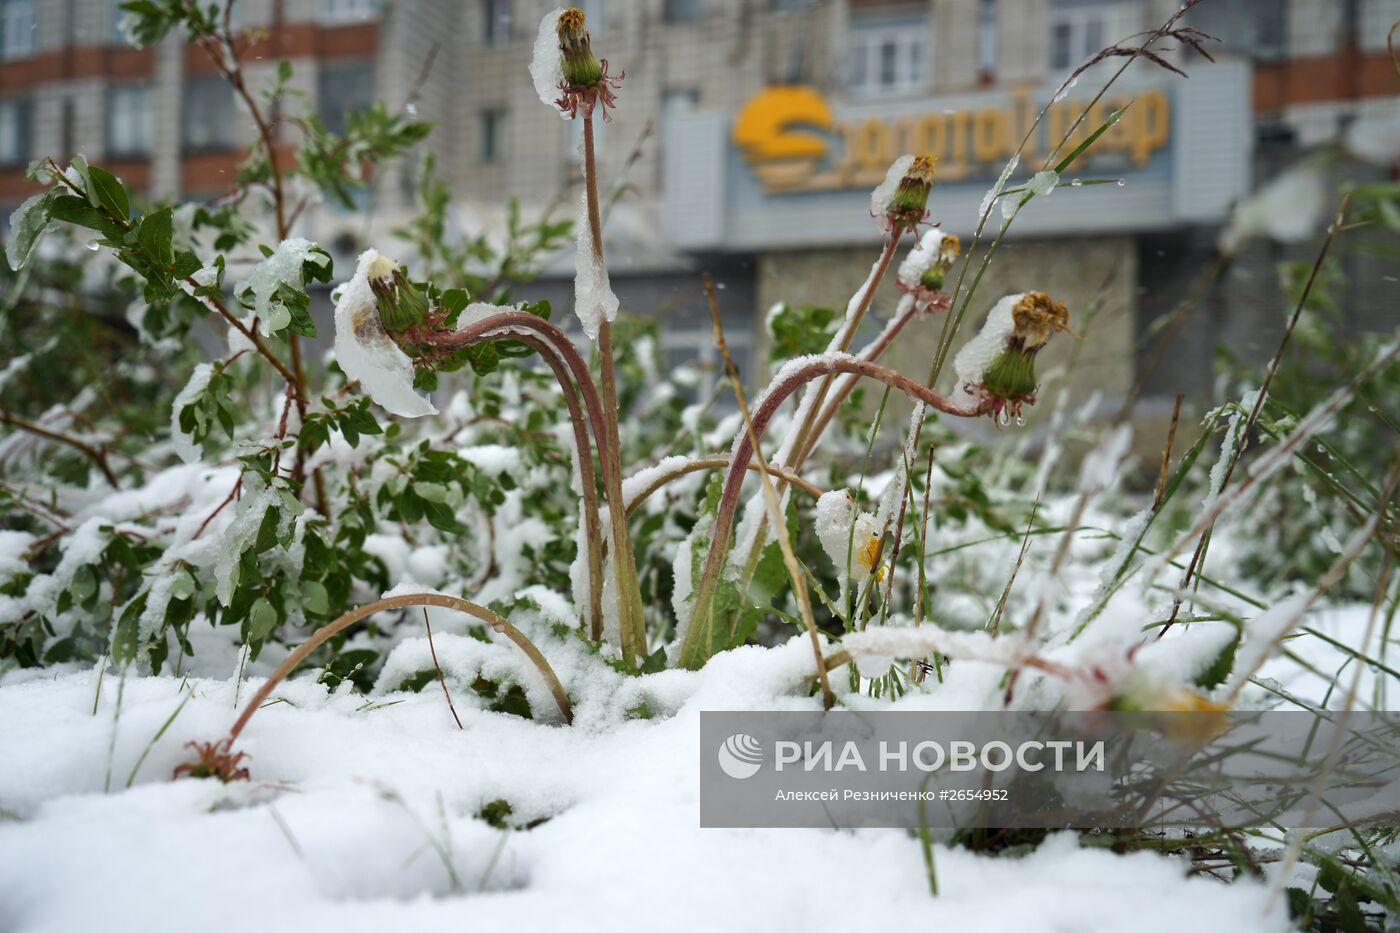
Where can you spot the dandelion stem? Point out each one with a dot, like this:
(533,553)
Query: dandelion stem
(441,600)
(778,392)
(631,623)
(770,497)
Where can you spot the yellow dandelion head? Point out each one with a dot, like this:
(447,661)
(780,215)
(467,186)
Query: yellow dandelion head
(1037,316)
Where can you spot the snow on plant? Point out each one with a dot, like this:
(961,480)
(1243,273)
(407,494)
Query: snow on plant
(922,273)
(997,367)
(363,347)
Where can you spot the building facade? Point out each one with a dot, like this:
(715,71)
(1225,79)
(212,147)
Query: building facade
(749,133)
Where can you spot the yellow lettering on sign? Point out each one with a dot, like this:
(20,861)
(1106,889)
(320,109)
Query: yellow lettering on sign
(786,131)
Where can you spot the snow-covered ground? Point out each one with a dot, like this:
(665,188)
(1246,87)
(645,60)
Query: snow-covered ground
(361,815)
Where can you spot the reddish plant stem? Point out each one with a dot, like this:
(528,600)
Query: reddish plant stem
(873,352)
(778,392)
(519,324)
(719,463)
(630,620)
(92,453)
(432,649)
(808,433)
(588,480)
(441,600)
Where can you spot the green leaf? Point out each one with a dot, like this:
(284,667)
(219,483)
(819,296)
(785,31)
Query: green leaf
(27,227)
(107,193)
(267,532)
(262,619)
(1068,160)
(1214,675)
(154,237)
(315,599)
(126,633)
(84,586)
(75,210)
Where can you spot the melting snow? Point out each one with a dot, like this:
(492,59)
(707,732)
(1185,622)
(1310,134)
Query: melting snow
(366,352)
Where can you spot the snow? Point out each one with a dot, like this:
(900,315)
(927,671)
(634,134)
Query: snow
(478,311)
(1102,466)
(984,209)
(283,267)
(82,547)
(12,547)
(1228,443)
(365,351)
(594,301)
(185,444)
(920,258)
(979,352)
(362,815)
(1287,209)
(1264,631)
(774,310)
(634,485)
(492,459)
(241,534)
(843,537)
(884,192)
(546,63)
(16,366)
(1043,183)
(16,249)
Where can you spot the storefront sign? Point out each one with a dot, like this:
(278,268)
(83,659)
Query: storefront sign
(793,142)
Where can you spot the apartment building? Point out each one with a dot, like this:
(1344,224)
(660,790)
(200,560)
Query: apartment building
(749,133)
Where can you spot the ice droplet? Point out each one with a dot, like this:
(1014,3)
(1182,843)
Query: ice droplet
(92,245)
(1043,183)
(411,108)
(1077,183)
(1122,182)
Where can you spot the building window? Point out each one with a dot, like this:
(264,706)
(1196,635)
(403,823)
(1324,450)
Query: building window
(987,38)
(677,102)
(682,11)
(342,89)
(493,138)
(495,22)
(1078,30)
(887,56)
(15,116)
(207,119)
(129,120)
(17,26)
(117,35)
(348,11)
(1372,25)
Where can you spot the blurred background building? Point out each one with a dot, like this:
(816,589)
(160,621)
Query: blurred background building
(750,132)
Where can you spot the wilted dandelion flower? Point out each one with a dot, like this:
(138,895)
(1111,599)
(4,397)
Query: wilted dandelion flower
(997,367)
(363,346)
(1109,678)
(923,271)
(902,198)
(838,535)
(564,63)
